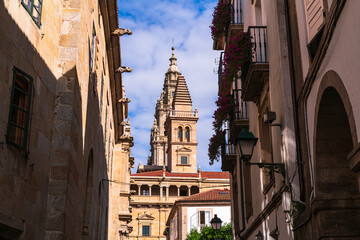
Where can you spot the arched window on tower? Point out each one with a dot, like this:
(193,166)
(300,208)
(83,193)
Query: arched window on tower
(180,134)
(187,134)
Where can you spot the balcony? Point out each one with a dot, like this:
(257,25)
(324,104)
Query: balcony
(228,153)
(175,113)
(236,22)
(228,156)
(255,73)
(220,72)
(239,118)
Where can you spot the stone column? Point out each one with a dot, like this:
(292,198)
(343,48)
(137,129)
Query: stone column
(150,190)
(167,193)
(139,189)
(189,191)
(161,192)
(178,191)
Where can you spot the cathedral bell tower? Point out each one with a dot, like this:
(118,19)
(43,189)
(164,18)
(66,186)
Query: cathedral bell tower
(181,127)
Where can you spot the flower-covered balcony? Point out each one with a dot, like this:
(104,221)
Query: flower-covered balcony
(236,25)
(219,25)
(255,72)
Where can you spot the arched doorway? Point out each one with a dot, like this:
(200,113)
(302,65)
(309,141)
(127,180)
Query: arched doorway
(333,143)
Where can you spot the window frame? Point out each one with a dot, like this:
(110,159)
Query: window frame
(31,10)
(148,231)
(23,147)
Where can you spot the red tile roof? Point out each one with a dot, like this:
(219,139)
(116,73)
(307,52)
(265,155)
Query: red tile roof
(159,173)
(224,175)
(211,195)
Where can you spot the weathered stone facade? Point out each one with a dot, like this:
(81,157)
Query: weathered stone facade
(56,180)
(302,104)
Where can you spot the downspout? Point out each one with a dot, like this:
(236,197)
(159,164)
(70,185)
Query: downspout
(294,102)
(296,122)
(242,201)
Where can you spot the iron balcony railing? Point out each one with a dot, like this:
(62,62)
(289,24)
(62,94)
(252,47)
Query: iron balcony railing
(235,16)
(236,12)
(258,38)
(240,107)
(227,148)
(221,68)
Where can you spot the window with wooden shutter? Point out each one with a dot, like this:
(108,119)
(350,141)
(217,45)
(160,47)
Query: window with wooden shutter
(314,17)
(19,113)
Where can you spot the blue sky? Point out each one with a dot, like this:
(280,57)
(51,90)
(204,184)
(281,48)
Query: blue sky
(154,24)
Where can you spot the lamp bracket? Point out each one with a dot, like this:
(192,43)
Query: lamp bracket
(277,125)
(275,167)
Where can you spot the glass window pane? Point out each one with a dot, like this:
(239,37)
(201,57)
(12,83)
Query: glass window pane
(16,135)
(27,4)
(18,117)
(146,230)
(36,16)
(183,160)
(20,99)
(37,5)
(22,83)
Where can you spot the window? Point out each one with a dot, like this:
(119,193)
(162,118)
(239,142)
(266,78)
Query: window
(187,134)
(204,218)
(19,113)
(184,160)
(146,230)
(34,7)
(145,192)
(92,53)
(180,134)
(173,94)
(164,191)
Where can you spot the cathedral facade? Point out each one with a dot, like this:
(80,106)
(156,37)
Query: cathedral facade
(171,172)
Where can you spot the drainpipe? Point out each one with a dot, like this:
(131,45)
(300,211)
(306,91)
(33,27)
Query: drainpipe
(294,102)
(241,201)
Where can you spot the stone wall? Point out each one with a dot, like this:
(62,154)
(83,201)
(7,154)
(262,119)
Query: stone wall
(59,188)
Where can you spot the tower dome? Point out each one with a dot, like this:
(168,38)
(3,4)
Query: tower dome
(173,67)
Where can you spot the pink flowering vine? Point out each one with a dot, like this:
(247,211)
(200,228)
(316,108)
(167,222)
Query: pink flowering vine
(221,18)
(237,53)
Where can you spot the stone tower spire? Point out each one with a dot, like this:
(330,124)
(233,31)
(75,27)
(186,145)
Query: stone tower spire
(182,99)
(158,154)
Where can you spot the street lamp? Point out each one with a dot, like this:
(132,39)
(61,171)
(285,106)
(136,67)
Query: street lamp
(259,236)
(246,142)
(216,223)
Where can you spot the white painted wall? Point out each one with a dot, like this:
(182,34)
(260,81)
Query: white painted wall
(223,212)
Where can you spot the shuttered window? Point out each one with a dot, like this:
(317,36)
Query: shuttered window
(19,113)
(314,17)
(34,8)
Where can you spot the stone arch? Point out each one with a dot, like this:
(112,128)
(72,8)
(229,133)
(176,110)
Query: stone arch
(88,194)
(332,79)
(334,138)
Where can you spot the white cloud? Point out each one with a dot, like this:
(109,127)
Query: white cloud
(154,24)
